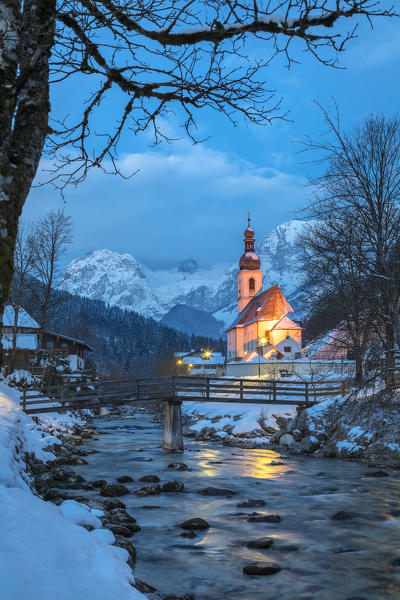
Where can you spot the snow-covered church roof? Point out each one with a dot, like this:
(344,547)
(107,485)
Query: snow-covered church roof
(24,319)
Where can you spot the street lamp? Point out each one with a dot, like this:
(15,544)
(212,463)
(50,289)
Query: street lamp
(262,343)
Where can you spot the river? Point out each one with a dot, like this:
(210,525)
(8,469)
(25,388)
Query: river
(320,557)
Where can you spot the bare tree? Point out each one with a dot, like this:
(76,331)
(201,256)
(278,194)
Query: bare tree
(23,266)
(158,55)
(360,189)
(332,271)
(50,238)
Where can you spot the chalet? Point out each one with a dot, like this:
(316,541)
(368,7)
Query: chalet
(200,362)
(27,346)
(264,327)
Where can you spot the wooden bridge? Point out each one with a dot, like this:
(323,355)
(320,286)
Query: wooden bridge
(176,389)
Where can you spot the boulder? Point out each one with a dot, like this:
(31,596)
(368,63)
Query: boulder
(376,474)
(127,530)
(251,503)
(265,519)
(178,466)
(111,490)
(261,569)
(189,534)
(150,479)
(261,543)
(197,523)
(125,479)
(148,490)
(342,515)
(122,542)
(286,440)
(111,504)
(172,486)
(98,483)
(276,463)
(120,515)
(212,491)
(309,444)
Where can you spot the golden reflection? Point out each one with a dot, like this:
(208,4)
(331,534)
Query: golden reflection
(255,463)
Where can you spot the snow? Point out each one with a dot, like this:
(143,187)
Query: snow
(239,419)
(24,320)
(45,551)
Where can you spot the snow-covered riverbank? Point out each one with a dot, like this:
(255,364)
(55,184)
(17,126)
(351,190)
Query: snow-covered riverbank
(47,551)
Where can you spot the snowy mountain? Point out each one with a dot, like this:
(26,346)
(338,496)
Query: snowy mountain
(119,279)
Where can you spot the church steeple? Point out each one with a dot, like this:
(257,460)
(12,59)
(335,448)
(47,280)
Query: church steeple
(249,260)
(249,276)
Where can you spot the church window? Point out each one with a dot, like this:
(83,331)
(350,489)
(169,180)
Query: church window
(252,284)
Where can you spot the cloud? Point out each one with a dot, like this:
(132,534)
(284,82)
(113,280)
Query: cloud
(185,201)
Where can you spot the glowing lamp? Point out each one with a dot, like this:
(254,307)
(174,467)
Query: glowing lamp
(263,341)
(207,354)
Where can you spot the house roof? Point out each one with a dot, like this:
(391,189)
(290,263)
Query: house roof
(270,305)
(286,323)
(24,320)
(69,339)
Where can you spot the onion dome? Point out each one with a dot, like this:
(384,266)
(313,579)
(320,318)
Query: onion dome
(249,261)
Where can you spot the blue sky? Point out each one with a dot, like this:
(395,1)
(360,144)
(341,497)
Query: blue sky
(191,201)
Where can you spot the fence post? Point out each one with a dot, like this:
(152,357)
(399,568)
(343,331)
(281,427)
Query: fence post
(207,388)
(137,389)
(306,390)
(24,400)
(343,388)
(274,391)
(241,390)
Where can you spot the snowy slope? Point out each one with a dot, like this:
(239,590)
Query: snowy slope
(119,279)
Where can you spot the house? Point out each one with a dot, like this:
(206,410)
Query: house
(265,326)
(27,345)
(333,345)
(200,362)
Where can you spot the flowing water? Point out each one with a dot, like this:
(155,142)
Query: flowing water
(320,558)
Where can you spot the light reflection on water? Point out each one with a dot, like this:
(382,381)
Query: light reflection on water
(336,560)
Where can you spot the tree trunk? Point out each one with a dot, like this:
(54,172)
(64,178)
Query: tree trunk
(24,111)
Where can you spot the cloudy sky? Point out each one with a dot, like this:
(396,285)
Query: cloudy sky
(191,201)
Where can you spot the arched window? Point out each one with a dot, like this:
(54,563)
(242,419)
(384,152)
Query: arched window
(252,284)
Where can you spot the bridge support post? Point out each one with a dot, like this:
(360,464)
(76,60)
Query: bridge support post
(173,436)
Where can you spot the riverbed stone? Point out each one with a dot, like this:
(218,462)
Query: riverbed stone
(265,519)
(112,490)
(261,543)
(126,530)
(178,466)
(260,568)
(342,515)
(309,444)
(376,474)
(150,479)
(172,486)
(120,515)
(189,534)
(213,491)
(148,490)
(251,502)
(287,440)
(122,542)
(197,523)
(98,483)
(114,503)
(125,479)
(276,463)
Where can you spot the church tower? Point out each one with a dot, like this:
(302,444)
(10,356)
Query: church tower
(249,276)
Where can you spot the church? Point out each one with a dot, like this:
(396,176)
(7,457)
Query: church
(264,328)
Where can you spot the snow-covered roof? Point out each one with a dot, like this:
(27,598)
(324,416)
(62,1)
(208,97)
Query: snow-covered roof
(25,341)
(24,319)
(215,359)
(270,305)
(69,339)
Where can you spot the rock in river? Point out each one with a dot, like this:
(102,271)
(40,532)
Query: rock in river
(148,490)
(178,466)
(172,486)
(265,519)
(251,503)
(125,479)
(262,543)
(376,474)
(196,523)
(342,515)
(261,569)
(212,491)
(111,504)
(150,479)
(189,534)
(113,489)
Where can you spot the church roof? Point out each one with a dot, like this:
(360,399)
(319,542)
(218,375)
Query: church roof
(270,305)
(286,323)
